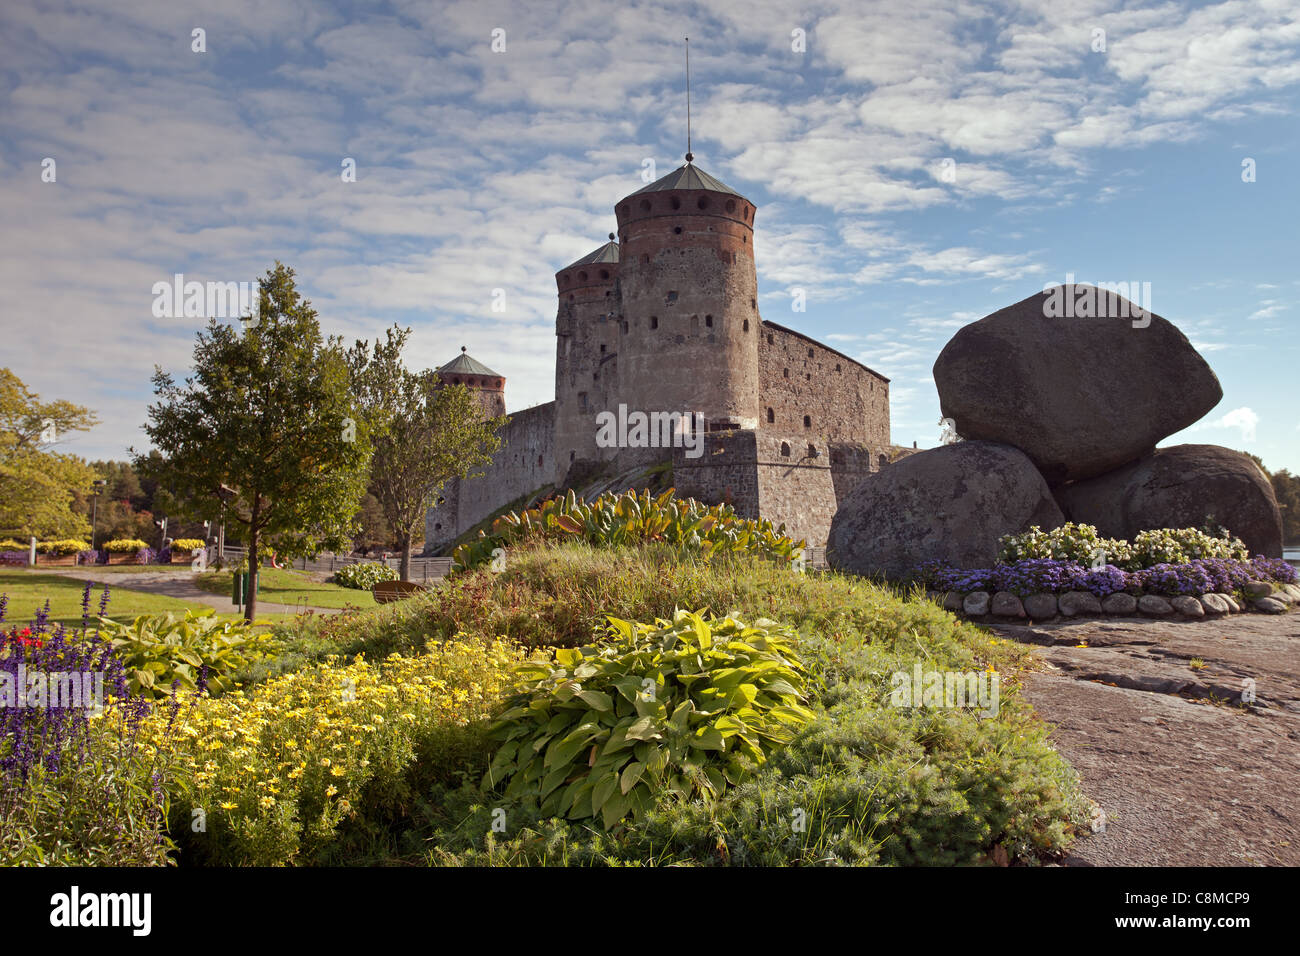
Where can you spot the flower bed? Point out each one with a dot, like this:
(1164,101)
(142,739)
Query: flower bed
(1041,588)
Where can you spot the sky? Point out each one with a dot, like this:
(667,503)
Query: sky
(916,166)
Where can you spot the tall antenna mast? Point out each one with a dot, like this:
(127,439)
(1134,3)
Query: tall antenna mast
(689,156)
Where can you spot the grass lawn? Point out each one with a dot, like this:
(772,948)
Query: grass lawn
(29,590)
(283,586)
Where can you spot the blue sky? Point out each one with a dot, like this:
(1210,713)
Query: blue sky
(479,170)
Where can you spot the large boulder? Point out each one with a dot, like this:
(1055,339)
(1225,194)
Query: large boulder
(1181,487)
(950,503)
(1079,395)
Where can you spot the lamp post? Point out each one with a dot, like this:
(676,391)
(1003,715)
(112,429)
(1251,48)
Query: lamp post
(99,485)
(227,495)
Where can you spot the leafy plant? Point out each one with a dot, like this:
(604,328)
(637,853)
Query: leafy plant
(631,517)
(186,544)
(1082,543)
(161,652)
(364,575)
(687,707)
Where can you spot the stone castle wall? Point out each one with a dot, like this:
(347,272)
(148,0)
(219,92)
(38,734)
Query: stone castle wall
(524,463)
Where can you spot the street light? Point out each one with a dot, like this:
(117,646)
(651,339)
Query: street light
(99,485)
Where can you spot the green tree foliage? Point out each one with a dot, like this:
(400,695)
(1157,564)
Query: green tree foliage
(41,490)
(268,415)
(1286,488)
(424,434)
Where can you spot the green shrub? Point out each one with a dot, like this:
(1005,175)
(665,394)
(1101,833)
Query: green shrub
(186,544)
(124,545)
(364,576)
(158,650)
(688,708)
(1180,545)
(632,518)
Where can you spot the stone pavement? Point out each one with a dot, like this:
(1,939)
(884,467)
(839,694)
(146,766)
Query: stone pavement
(1186,772)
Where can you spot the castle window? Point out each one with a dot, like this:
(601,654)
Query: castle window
(604,274)
(677,230)
(570,298)
(654,321)
(753,304)
(837,366)
(539,461)
(708,321)
(703,203)
(671,298)
(882,461)
(602,349)
(771,416)
(746,329)
(810,355)
(645,205)
(769,338)
(731,205)
(747,212)
(582,277)
(677,203)
(785,373)
(744,238)
(501,383)
(812,451)
(571,456)
(807,421)
(437,526)
(785,450)
(808,376)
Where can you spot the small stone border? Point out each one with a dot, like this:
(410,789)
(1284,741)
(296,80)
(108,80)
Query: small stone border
(1261,597)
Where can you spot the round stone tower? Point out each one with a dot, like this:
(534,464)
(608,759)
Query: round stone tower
(689,330)
(586,345)
(488,388)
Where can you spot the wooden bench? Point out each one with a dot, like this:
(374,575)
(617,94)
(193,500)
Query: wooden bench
(386,592)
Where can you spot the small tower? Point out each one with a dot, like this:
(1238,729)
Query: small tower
(586,346)
(487,387)
(689,333)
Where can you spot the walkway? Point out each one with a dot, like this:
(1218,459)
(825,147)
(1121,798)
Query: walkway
(179,585)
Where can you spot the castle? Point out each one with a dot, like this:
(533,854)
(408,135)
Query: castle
(664,319)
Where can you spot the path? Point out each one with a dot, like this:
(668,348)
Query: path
(1186,773)
(178,584)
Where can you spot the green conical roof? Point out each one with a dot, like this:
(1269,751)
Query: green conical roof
(606,253)
(462,364)
(688,177)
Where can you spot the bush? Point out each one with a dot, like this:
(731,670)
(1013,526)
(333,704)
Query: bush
(62,548)
(76,787)
(124,545)
(9,544)
(187,545)
(1082,544)
(364,575)
(282,768)
(160,650)
(688,708)
(631,518)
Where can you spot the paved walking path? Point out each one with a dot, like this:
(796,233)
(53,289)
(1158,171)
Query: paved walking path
(180,585)
(1187,774)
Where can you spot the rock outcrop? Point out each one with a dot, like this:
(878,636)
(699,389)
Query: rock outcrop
(1080,395)
(1181,487)
(950,503)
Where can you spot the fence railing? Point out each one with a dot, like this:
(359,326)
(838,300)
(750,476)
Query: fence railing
(422,569)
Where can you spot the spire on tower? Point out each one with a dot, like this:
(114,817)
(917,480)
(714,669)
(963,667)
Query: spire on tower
(689,155)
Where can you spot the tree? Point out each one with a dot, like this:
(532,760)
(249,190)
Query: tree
(424,434)
(268,422)
(40,490)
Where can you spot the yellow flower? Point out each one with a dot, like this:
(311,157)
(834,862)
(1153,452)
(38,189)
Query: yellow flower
(228,806)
